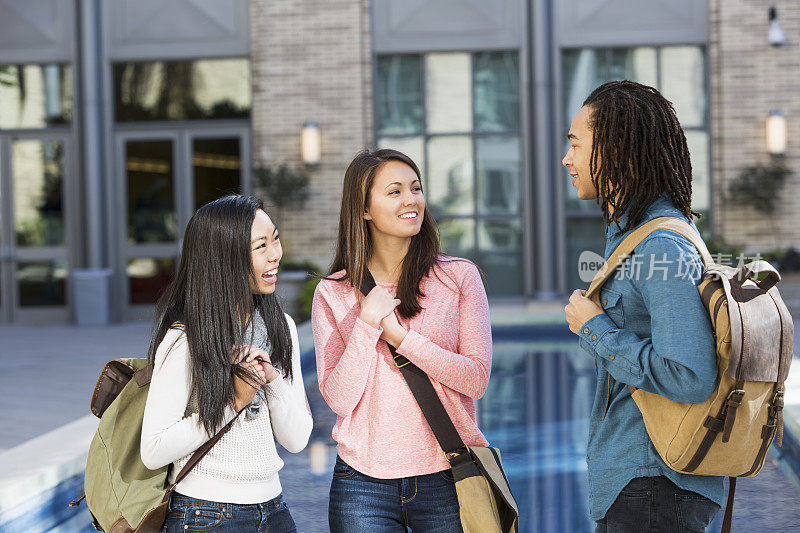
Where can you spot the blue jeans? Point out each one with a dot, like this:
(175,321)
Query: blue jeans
(362,504)
(190,514)
(656,504)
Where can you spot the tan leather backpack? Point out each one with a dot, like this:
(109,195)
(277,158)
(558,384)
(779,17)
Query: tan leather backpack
(730,433)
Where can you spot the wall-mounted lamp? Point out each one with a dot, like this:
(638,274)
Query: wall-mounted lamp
(775,36)
(776,133)
(311,143)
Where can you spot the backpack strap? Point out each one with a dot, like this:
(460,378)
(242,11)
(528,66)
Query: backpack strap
(625,249)
(144,375)
(727,521)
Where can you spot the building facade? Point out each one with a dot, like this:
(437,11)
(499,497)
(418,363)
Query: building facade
(119,118)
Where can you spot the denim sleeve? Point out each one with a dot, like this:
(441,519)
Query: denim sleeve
(678,361)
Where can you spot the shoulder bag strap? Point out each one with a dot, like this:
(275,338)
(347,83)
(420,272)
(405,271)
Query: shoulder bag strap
(200,453)
(424,393)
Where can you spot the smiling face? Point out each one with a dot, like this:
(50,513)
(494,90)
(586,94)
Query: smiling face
(578,157)
(395,204)
(266,253)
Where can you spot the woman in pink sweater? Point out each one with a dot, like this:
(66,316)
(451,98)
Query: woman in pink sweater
(391,472)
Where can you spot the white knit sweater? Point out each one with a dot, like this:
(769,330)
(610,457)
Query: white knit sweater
(243,466)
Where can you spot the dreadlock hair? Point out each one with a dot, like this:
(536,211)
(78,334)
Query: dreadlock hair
(639,152)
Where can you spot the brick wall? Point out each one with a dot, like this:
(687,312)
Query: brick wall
(311,60)
(748,79)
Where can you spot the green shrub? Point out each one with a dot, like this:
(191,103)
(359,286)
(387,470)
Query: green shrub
(306,298)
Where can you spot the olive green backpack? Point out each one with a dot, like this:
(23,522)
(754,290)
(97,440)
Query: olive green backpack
(122,494)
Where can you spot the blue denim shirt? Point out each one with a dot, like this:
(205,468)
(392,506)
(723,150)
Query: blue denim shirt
(655,335)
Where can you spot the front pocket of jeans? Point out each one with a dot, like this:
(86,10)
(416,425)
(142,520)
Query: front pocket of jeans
(447,475)
(202,518)
(342,469)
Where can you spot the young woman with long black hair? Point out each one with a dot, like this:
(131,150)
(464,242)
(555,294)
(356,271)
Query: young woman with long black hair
(221,346)
(391,472)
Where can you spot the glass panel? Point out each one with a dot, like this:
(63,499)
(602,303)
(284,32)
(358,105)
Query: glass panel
(457,237)
(498,169)
(449,188)
(582,70)
(42,283)
(584,235)
(683,82)
(448,92)
(413,147)
(399,95)
(701,184)
(151,202)
(500,246)
(148,277)
(35,96)
(217,167)
(496,91)
(182,90)
(636,64)
(38,173)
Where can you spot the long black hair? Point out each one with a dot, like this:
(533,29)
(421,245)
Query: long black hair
(639,152)
(211,300)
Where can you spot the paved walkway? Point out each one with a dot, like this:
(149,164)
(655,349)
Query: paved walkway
(47,374)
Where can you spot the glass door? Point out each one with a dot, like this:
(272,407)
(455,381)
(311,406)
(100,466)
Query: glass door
(150,214)
(34,228)
(166,176)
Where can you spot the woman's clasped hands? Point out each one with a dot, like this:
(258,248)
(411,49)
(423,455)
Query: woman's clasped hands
(257,371)
(378,310)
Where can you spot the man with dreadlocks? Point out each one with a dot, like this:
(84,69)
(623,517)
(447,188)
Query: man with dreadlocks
(629,154)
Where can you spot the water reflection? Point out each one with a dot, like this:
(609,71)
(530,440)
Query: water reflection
(536,411)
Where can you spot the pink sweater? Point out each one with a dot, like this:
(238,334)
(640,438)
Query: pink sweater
(380,429)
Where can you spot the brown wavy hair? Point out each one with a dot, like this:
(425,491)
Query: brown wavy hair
(354,245)
(639,152)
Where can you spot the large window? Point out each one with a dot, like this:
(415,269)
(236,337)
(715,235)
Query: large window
(35,96)
(679,73)
(182,90)
(457,116)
